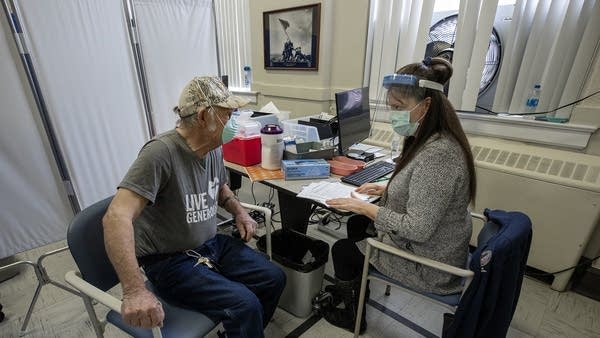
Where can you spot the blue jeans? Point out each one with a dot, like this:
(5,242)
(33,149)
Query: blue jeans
(243,293)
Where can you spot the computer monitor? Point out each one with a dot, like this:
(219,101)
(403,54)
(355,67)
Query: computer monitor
(353,115)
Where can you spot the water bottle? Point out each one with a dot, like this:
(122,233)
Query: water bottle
(247,77)
(533,99)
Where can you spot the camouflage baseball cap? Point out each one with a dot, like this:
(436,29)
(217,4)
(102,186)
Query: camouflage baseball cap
(205,91)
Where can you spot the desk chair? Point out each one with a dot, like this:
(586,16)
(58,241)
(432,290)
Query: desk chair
(488,232)
(96,275)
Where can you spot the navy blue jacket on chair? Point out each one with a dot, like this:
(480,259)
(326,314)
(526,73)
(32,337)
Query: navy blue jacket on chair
(487,307)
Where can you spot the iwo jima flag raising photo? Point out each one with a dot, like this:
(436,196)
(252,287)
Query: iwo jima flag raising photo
(291,39)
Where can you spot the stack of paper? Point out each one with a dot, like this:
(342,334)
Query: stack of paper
(377,151)
(366,147)
(324,191)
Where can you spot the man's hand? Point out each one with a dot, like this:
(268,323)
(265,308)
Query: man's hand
(371,189)
(142,309)
(246,225)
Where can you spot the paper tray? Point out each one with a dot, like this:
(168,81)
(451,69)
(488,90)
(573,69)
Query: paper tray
(304,152)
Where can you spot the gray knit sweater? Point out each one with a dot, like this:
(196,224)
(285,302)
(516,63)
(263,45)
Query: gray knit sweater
(425,211)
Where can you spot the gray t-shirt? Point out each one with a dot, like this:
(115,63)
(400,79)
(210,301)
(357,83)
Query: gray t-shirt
(182,190)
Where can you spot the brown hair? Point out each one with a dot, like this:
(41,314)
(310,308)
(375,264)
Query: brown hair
(441,117)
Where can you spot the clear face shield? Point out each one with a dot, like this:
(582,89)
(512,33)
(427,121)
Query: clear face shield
(398,91)
(399,95)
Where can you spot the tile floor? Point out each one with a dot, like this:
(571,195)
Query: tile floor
(541,312)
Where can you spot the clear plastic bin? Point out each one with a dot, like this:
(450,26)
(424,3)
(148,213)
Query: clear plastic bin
(300,132)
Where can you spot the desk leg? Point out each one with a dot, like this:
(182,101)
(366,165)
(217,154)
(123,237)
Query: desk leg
(235,180)
(294,211)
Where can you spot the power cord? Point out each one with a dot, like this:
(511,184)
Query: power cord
(271,196)
(257,216)
(270,206)
(544,274)
(338,219)
(491,112)
(252,192)
(317,214)
(324,216)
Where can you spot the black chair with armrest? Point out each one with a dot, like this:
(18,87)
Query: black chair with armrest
(96,276)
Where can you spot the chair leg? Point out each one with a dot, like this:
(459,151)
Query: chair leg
(31,305)
(387,290)
(96,324)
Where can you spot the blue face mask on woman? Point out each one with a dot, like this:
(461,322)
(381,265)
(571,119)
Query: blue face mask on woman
(400,120)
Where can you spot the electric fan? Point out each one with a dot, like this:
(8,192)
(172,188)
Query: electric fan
(440,43)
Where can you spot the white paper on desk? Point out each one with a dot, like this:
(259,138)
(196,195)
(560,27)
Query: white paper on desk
(271,108)
(323,191)
(366,147)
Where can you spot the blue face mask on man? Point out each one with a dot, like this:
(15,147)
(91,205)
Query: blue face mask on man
(230,129)
(400,120)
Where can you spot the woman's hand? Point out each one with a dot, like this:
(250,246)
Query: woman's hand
(354,205)
(371,189)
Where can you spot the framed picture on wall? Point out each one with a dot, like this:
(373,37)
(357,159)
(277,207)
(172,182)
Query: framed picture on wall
(291,38)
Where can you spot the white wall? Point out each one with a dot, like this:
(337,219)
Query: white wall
(341,57)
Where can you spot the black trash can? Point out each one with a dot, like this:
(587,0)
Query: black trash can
(303,259)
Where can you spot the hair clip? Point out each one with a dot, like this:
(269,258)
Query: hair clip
(427,61)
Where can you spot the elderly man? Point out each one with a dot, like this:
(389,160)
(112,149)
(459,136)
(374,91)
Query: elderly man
(163,217)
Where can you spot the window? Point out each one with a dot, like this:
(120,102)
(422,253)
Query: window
(233,40)
(557,58)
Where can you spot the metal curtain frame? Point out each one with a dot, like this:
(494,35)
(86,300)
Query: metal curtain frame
(11,9)
(214,10)
(138,57)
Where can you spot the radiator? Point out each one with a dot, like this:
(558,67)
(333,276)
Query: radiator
(559,190)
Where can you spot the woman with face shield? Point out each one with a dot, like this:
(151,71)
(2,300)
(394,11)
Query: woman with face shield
(424,207)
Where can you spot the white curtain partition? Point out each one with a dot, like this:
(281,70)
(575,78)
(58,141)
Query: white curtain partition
(81,53)
(34,210)
(178,42)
